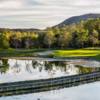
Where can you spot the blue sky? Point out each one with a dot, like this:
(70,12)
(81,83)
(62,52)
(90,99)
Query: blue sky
(42,13)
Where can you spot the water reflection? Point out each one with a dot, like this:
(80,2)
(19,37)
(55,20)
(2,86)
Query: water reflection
(83,92)
(4,66)
(87,69)
(16,67)
(19,70)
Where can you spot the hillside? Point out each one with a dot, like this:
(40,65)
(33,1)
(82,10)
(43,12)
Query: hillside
(77,19)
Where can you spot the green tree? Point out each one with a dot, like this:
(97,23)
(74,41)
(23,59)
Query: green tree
(82,38)
(4,42)
(64,39)
(49,39)
(94,38)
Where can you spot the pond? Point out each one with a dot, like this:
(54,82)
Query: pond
(12,70)
(89,91)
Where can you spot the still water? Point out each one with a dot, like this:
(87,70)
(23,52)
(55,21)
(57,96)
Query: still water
(12,70)
(89,91)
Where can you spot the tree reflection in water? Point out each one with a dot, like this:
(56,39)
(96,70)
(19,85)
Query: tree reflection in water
(48,66)
(87,69)
(38,64)
(63,66)
(4,66)
(28,66)
(17,67)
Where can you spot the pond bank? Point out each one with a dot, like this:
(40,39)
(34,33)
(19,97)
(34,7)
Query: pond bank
(48,58)
(91,54)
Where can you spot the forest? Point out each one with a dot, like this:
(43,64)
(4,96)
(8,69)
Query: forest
(79,35)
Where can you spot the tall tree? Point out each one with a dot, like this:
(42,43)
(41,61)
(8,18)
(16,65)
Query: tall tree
(49,39)
(64,39)
(4,42)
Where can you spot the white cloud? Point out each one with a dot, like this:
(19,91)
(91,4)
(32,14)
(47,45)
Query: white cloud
(10,4)
(70,2)
(42,13)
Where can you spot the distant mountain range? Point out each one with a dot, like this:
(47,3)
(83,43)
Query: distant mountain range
(69,21)
(77,19)
(20,29)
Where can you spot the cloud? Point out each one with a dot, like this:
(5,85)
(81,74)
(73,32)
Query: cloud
(42,13)
(18,3)
(70,2)
(10,4)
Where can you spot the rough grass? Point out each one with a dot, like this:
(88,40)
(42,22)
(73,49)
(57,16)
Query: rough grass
(19,52)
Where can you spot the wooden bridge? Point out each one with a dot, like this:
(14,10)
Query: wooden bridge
(33,86)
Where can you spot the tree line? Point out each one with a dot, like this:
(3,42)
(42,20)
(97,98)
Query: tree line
(80,35)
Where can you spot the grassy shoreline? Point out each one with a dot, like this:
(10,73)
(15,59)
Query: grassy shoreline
(93,54)
(19,52)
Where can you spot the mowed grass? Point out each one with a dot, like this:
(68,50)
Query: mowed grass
(79,53)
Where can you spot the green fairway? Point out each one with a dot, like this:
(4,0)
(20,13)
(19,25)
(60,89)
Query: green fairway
(79,53)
